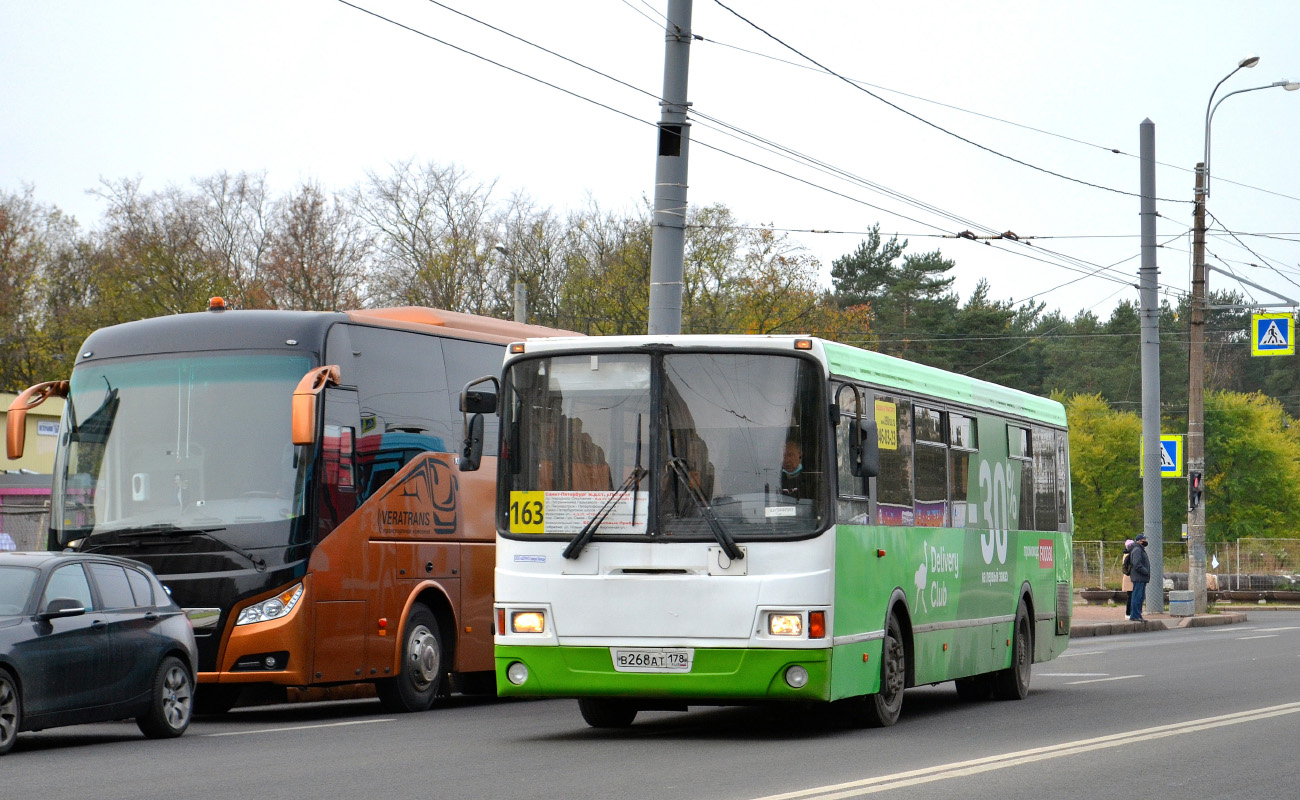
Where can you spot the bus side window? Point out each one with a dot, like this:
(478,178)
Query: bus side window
(894,484)
(853,505)
(963,442)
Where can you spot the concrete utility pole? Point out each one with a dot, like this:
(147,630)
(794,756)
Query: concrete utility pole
(668,242)
(1152,511)
(1196,403)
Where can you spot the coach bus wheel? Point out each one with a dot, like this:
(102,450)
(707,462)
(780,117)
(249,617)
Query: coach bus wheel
(976,688)
(418,682)
(602,712)
(1012,683)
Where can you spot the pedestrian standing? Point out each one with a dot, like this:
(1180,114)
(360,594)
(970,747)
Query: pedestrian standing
(1140,572)
(1126,582)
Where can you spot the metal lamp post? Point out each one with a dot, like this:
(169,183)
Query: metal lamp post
(521,290)
(1196,360)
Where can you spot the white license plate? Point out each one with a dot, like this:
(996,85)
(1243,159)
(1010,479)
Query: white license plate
(652,659)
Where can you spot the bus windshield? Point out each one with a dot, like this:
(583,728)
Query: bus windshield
(184,442)
(733,445)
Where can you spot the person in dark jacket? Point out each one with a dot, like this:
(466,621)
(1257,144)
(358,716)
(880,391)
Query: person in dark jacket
(1140,572)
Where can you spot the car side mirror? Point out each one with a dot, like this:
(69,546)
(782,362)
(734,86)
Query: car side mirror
(62,607)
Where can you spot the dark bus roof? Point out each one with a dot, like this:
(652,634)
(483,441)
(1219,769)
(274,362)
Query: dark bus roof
(272,330)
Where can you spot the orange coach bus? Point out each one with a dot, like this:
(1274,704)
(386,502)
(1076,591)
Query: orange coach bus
(290,476)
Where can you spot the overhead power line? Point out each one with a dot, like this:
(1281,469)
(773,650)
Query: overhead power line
(925,121)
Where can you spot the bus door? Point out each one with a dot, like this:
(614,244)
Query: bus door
(339,589)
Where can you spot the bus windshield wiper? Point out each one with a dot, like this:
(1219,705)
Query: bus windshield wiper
(169,529)
(682,470)
(574,548)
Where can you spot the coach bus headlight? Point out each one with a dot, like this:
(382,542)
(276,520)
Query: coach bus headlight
(785,624)
(517,673)
(273,608)
(528,622)
(797,677)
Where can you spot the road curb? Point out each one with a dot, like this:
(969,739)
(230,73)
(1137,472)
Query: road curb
(1086,629)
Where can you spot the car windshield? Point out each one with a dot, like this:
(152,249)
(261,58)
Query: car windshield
(15,588)
(192,441)
(733,444)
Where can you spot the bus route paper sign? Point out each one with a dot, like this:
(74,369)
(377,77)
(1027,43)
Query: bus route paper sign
(569,512)
(887,425)
(1272,335)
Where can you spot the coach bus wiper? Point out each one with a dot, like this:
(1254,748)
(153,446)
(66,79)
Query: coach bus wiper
(168,529)
(632,482)
(682,470)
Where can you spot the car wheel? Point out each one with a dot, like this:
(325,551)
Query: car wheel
(1012,683)
(602,712)
(171,703)
(11,712)
(420,678)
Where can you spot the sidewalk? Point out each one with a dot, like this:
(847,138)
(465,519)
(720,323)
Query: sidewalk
(1106,620)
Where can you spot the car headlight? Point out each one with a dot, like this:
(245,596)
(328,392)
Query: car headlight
(270,609)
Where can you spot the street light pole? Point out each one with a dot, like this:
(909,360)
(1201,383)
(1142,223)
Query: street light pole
(521,290)
(1196,496)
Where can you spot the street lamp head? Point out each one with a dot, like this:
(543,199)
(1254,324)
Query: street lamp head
(1248,62)
(501,249)
(1291,86)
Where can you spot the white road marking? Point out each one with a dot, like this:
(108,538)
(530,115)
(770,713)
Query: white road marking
(1103,680)
(1085,653)
(1286,628)
(1070,674)
(1265,636)
(300,727)
(899,780)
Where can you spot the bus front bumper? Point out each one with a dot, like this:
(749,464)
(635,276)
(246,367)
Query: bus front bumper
(716,674)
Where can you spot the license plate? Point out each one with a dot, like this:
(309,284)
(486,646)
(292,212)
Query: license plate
(653,659)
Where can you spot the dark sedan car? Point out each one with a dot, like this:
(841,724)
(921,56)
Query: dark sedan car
(90,638)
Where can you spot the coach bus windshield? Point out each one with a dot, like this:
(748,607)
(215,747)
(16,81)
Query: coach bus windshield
(188,442)
(695,444)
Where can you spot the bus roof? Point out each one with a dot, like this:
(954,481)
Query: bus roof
(470,326)
(845,361)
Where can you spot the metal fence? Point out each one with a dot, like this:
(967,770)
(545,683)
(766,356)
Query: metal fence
(24,526)
(1246,564)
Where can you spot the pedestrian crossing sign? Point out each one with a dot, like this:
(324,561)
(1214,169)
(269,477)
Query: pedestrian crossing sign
(1171,456)
(1271,335)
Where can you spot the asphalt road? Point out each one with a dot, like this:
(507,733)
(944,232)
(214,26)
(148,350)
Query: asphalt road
(1204,712)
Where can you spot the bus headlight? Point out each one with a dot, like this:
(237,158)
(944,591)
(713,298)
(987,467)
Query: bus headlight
(785,624)
(797,677)
(272,608)
(517,673)
(528,622)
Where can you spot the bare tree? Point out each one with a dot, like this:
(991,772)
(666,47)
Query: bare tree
(318,252)
(235,227)
(434,235)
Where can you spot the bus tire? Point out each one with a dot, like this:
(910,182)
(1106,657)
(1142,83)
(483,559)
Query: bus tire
(420,677)
(604,712)
(976,688)
(884,707)
(1012,683)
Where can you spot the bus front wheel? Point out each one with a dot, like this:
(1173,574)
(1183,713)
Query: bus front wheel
(1012,683)
(420,677)
(602,712)
(882,709)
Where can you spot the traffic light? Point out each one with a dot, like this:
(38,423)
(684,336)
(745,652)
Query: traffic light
(1195,488)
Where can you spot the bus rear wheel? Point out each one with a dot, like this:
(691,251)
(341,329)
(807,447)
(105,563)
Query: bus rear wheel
(420,677)
(1012,683)
(603,712)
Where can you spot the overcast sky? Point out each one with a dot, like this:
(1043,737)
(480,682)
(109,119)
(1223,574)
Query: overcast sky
(319,90)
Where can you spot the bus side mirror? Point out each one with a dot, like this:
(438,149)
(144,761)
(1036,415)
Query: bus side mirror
(474,403)
(472,452)
(306,400)
(16,418)
(867,461)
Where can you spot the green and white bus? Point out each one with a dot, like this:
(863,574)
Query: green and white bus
(690,520)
